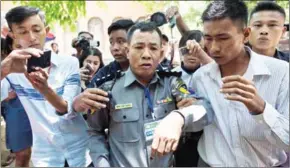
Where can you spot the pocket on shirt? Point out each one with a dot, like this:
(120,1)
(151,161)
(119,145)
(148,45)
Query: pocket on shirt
(160,111)
(125,126)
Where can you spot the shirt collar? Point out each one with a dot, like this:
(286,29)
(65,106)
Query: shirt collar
(130,78)
(256,67)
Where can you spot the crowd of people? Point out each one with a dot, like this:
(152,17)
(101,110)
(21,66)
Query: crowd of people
(225,105)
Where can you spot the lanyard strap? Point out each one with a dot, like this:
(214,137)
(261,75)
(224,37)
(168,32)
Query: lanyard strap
(149,101)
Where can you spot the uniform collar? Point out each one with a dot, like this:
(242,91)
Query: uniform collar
(256,67)
(130,78)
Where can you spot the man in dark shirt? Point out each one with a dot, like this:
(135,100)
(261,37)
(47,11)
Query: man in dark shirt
(267,27)
(117,32)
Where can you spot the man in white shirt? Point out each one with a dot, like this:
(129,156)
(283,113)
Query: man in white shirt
(59,134)
(249,94)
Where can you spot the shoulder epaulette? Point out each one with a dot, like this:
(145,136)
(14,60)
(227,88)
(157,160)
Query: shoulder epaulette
(99,81)
(168,73)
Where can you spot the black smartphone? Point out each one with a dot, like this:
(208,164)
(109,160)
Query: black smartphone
(42,62)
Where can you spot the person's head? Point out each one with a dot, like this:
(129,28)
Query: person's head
(189,61)
(27,25)
(117,32)
(145,43)
(225,31)
(93,57)
(86,35)
(7,45)
(267,26)
(54,47)
(165,41)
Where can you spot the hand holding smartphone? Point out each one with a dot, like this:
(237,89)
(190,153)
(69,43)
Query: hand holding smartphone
(43,61)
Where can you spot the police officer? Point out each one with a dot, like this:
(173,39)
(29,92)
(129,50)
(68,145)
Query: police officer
(137,100)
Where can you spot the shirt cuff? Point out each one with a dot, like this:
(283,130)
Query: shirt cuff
(192,113)
(269,117)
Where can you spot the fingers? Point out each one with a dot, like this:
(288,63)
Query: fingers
(154,146)
(192,46)
(181,103)
(42,72)
(248,87)
(237,98)
(237,78)
(185,102)
(31,51)
(97,91)
(168,147)
(94,104)
(161,147)
(98,98)
(238,91)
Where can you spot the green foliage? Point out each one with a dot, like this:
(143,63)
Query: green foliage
(65,13)
(154,6)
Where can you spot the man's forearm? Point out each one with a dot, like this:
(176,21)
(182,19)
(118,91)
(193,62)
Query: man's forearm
(182,27)
(56,101)
(204,58)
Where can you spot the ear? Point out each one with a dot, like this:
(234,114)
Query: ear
(11,34)
(47,29)
(127,50)
(284,31)
(247,32)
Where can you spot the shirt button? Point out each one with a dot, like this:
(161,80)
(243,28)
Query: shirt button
(124,117)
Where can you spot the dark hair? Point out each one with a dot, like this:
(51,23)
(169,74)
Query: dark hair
(53,44)
(143,27)
(6,46)
(94,52)
(236,10)
(123,24)
(268,6)
(19,14)
(164,37)
(196,35)
(85,32)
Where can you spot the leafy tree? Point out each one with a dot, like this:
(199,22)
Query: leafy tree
(64,13)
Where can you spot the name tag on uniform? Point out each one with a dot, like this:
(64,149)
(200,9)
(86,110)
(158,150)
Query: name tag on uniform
(123,106)
(149,129)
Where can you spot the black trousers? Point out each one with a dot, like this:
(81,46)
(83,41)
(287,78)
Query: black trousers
(186,154)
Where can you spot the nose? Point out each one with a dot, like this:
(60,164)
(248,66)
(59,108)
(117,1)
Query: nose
(32,37)
(115,47)
(146,54)
(264,30)
(214,48)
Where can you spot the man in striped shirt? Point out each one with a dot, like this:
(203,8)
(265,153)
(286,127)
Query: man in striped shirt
(249,94)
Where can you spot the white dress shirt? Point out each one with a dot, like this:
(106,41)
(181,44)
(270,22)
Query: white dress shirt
(235,137)
(55,137)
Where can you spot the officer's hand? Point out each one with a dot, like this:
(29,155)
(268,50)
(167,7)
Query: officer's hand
(166,135)
(185,102)
(91,98)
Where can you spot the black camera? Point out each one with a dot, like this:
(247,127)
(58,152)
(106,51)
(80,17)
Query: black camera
(85,44)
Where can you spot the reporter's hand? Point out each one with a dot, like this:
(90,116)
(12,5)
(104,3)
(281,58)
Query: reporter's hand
(16,61)
(84,73)
(91,98)
(38,79)
(197,51)
(171,11)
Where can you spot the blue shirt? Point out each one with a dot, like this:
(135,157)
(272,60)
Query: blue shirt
(55,137)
